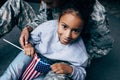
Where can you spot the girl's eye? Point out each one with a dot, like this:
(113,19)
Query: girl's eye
(76,31)
(64,26)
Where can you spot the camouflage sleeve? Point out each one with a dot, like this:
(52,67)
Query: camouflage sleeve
(37,20)
(15,12)
(100,41)
(40,17)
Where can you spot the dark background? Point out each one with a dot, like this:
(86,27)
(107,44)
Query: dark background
(37,1)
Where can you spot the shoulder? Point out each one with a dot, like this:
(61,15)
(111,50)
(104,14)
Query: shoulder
(46,27)
(79,46)
(78,52)
(74,53)
(49,24)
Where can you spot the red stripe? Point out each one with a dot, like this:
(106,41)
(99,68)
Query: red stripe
(30,73)
(34,72)
(31,63)
(37,74)
(27,70)
(33,75)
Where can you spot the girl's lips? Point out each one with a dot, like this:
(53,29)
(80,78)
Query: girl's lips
(66,40)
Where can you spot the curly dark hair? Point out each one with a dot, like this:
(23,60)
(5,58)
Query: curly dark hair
(82,8)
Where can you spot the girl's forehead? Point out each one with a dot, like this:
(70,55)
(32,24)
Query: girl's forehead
(72,12)
(71,20)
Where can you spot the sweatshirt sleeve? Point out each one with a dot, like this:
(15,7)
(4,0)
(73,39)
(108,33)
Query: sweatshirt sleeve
(79,72)
(35,36)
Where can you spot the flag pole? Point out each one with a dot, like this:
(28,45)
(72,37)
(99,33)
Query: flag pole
(12,44)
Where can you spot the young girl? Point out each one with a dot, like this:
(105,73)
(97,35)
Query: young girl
(60,41)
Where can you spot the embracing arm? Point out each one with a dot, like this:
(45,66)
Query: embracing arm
(34,39)
(31,26)
(26,31)
(25,36)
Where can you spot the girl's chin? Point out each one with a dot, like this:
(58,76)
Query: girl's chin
(64,42)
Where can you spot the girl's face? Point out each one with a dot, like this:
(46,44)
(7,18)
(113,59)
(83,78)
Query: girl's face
(69,28)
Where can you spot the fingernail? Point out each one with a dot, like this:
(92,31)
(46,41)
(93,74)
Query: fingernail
(26,42)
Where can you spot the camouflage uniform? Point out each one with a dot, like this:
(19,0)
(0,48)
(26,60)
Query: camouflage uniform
(53,76)
(15,12)
(99,41)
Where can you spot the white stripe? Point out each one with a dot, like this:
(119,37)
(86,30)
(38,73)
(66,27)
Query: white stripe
(33,74)
(29,67)
(28,71)
(37,74)
(31,71)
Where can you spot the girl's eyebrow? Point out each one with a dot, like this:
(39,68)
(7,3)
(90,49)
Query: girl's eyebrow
(65,24)
(69,26)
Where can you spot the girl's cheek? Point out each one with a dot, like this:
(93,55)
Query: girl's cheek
(75,36)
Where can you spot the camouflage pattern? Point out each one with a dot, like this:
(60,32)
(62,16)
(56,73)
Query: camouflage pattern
(17,12)
(100,41)
(53,76)
(42,15)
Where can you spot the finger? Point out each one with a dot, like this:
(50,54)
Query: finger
(26,39)
(55,70)
(27,52)
(32,53)
(26,35)
(59,72)
(53,66)
(24,51)
(21,40)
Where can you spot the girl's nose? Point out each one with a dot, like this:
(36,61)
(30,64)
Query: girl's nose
(68,34)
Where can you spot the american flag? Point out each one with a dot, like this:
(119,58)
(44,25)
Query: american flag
(35,68)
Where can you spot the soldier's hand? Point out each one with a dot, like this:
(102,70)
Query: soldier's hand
(24,36)
(29,50)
